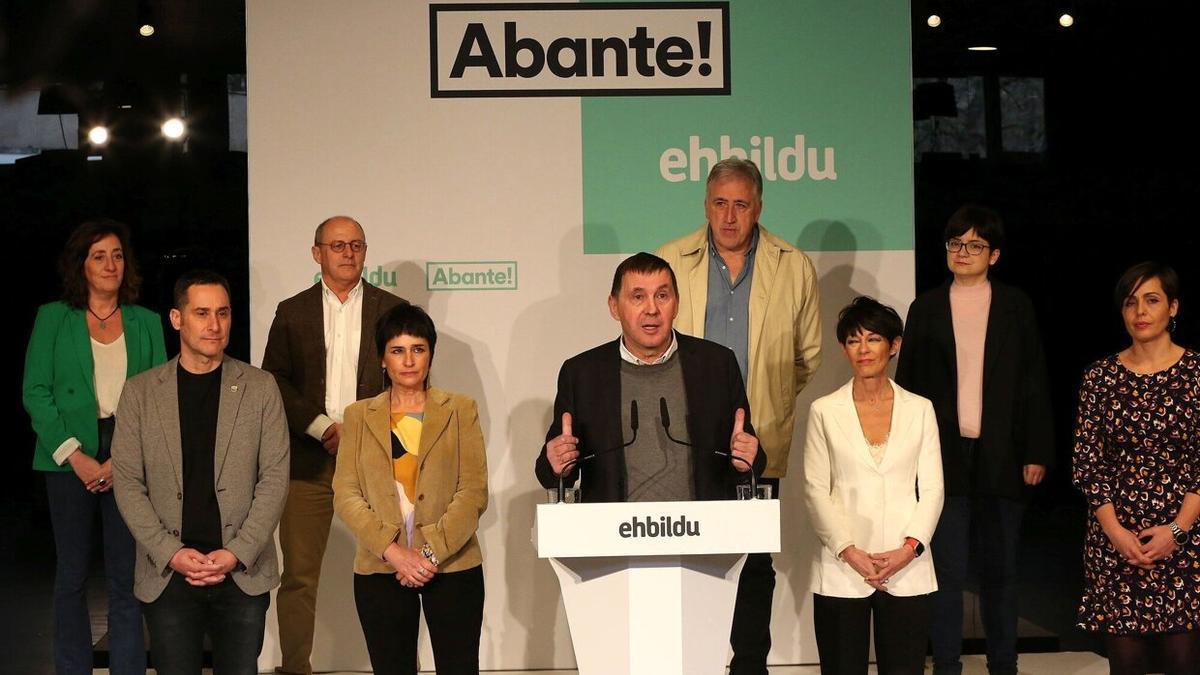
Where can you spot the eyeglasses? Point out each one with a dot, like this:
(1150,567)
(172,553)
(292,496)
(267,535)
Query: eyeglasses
(358,245)
(973,247)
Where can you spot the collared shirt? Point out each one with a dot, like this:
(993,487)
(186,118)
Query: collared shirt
(727,314)
(343,333)
(628,357)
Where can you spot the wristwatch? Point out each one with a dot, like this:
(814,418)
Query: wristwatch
(1181,535)
(427,552)
(917,547)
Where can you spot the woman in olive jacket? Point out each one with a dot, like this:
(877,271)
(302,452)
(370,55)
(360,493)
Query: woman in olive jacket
(411,482)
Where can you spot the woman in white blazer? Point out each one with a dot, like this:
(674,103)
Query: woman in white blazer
(873,482)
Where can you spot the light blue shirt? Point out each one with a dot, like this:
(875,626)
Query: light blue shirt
(727,314)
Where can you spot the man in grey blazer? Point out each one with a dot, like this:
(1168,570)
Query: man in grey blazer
(321,350)
(200,473)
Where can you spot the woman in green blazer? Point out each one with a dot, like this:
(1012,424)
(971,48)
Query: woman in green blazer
(82,350)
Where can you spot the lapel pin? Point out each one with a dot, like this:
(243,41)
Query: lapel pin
(233,387)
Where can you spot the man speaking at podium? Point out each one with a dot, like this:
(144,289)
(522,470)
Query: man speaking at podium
(653,415)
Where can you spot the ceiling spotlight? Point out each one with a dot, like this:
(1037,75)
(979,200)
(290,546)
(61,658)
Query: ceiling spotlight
(1066,20)
(982,48)
(933,21)
(173,128)
(98,135)
(145,18)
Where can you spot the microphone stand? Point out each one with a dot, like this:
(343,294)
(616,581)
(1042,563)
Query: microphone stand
(633,425)
(666,422)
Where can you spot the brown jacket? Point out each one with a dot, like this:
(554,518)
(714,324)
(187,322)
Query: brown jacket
(295,355)
(452,490)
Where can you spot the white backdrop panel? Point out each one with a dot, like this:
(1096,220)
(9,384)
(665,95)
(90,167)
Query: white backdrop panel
(340,121)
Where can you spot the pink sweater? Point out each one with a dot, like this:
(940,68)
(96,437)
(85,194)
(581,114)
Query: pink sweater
(969,307)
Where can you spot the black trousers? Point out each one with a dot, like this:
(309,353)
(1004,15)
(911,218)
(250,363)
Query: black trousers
(751,633)
(390,618)
(844,624)
(179,618)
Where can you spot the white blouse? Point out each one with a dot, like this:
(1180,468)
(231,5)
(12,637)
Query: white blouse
(111,364)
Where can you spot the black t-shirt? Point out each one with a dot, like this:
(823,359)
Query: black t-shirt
(199,400)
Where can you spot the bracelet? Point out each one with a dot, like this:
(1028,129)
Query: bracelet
(427,552)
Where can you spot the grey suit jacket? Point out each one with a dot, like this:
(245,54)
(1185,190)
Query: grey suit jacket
(250,465)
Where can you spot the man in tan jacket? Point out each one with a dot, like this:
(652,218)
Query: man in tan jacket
(745,288)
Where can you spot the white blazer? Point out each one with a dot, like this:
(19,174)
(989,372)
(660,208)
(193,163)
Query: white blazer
(854,501)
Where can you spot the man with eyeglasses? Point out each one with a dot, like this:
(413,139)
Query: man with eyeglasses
(321,350)
(972,347)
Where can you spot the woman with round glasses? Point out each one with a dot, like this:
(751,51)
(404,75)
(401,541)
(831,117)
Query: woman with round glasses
(972,347)
(82,350)
(1137,461)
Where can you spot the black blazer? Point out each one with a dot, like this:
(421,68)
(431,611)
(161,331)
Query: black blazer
(1017,425)
(295,355)
(589,387)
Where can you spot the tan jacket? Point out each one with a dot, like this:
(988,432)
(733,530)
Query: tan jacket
(451,485)
(785,329)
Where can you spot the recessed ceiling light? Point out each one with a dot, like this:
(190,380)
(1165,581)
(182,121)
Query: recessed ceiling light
(146,30)
(173,128)
(933,21)
(1066,20)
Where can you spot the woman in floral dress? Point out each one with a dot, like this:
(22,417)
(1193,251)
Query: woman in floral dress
(1137,461)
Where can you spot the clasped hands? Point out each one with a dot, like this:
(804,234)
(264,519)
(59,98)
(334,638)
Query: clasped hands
(203,570)
(1143,549)
(562,451)
(877,568)
(413,570)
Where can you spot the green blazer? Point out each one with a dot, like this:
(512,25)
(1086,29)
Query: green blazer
(59,390)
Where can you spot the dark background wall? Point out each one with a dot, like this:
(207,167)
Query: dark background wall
(1112,185)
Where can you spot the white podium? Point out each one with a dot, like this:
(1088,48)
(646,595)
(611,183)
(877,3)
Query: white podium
(649,587)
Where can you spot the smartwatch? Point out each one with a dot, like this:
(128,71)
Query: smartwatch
(917,547)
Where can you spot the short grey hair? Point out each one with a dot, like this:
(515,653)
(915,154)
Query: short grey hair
(733,167)
(321,228)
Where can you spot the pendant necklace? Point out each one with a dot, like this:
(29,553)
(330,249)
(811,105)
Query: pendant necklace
(104,319)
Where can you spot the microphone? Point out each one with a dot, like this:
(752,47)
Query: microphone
(633,425)
(666,421)
(665,415)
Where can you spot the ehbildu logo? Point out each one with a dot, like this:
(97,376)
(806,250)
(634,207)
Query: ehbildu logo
(665,526)
(579,49)
(787,162)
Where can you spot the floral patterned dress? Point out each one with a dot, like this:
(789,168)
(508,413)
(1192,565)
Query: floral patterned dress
(1137,445)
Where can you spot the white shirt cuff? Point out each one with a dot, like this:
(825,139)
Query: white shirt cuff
(65,450)
(319,426)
